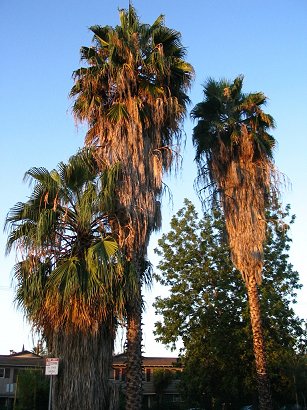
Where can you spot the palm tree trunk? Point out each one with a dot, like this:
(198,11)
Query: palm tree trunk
(264,393)
(134,354)
(85,363)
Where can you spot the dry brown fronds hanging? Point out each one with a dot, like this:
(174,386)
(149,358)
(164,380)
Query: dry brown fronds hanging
(235,150)
(137,84)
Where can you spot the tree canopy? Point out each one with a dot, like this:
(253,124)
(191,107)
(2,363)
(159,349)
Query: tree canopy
(234,153)
(132,92)
(207,309)
(65,278)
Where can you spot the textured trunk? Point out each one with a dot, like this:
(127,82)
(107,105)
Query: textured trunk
(265,401)
(134,355)
(85,362)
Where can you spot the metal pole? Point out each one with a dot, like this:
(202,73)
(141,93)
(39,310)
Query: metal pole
(50,392)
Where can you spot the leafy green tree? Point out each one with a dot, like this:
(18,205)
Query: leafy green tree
(208,311)
(32,390)
(132,93)
(161,380)
(234,153)
(69,282)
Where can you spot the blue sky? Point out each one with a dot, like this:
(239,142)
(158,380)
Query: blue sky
(40,42)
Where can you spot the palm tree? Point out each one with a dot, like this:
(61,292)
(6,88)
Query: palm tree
(132,93)
(69,283)
(234,157)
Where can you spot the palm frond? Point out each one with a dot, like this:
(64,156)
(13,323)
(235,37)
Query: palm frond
(118,112)
(234,147)
(62,235)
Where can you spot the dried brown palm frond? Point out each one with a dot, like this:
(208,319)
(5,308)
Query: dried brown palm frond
(234,152)
(132,94)
(234,155)
(244,187)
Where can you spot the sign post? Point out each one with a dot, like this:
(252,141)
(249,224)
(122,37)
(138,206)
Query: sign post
(52,369)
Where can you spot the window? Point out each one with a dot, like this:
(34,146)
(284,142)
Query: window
(5,372)
(120,374)
(10,388)
(123,375)
(116,374)
(148,373)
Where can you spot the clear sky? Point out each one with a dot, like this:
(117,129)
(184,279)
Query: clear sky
(40,41)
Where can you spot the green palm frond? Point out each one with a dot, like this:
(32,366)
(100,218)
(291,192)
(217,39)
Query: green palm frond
(65,278)
(101,35)
(110,246)
(40,174)
(224,110)
(234,154)
(63,237)
(31,276)
(56,177)
(159,22)
(99,262)
(118,112)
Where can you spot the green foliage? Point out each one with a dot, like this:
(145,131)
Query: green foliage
(161,379)
(207,309)
(223,114)
(69,266)
(32,390)
(71,283)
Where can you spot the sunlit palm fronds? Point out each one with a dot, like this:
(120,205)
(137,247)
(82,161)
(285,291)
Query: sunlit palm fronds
(133,96)
(70,274)
(234,152)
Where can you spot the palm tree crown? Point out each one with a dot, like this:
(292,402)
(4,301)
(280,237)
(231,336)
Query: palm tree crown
(234,155)
(67,276)
(133,96)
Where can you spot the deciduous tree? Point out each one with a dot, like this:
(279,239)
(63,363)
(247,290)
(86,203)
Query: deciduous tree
(208,311)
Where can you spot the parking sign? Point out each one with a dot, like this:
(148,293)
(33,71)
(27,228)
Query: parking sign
(52,366)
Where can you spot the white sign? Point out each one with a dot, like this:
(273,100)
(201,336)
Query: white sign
(52,367)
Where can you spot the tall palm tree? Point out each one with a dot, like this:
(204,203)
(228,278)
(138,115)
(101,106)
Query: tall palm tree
(234,153)
(69,283)
(132,93)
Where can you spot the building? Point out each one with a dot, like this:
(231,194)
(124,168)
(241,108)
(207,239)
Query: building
(161,377)
(10,366)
